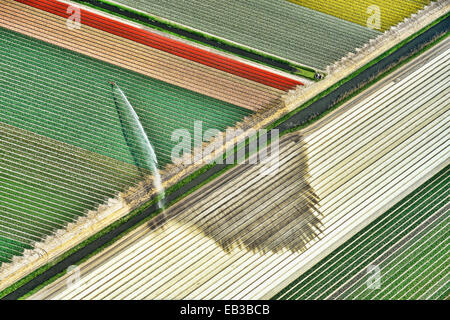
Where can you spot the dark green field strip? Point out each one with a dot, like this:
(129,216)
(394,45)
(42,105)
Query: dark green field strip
(352,257)
(324,286)
(31,220)
(36,217)
(26,223)
(14,248)
(426,264)
(8,251)
(434,279)
(45,193)
(346,265)
(442,290)
(357,246)
(14,245)
(407,283)
(22,229)
(17,236)
(34,171)
(66,96)
(31,174)
(415,267)
(31,205)
(4,258)
(382,245)
(35,178)
(349,268)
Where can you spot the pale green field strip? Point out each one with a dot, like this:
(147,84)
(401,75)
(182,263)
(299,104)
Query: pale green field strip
(46,184)
(275,27)
(66,96)
(409,269)
(360,160)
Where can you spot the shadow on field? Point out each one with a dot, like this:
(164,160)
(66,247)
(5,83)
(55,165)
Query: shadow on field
(244,208)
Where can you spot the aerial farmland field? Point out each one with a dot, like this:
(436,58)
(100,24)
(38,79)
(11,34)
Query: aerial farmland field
(224,150)
(200,242)
(71,106)
(47,184)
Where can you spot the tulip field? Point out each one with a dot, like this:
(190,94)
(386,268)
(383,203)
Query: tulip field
(235,239)
(357,11)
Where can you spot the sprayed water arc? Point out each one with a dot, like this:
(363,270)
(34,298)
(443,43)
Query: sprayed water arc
(137,140)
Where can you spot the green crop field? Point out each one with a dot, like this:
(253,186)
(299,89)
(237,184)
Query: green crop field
(409,244)
(63,150)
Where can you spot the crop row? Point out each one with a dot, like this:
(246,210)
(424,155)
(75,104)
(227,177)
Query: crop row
(66,96)
(62,144)
(137,57)
(46,184)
